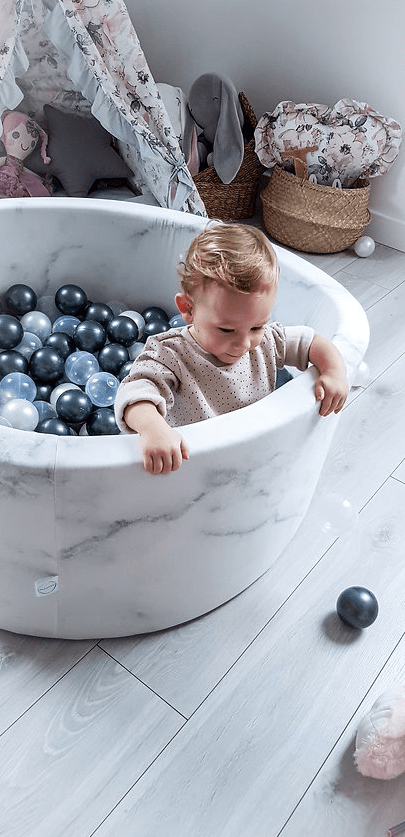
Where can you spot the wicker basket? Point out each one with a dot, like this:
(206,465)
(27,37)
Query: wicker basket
(313,218)
(235,200)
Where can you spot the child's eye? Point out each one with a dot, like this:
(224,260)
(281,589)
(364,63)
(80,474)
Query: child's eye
(225,330)
(257,328)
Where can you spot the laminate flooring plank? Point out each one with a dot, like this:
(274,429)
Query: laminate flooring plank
(73,756)
(367,293)
(386,319)
(386,267)
(29,666)
(184,664)
(246,757)
(341,802)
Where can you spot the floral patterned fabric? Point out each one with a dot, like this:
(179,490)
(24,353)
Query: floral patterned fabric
(347,142)
(97,44)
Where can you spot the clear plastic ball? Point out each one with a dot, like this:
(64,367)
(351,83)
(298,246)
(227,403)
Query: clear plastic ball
(80,366)
(137,318)
(21,414)
(37,323)
(117,306)
(46,304)
(45,410)
(102,388)
(336,514)
(29,344)
(135,349)
(4,422)
(57,391)
(17,385)
(362,376)
(66,323)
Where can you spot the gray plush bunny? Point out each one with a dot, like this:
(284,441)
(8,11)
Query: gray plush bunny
(214,109)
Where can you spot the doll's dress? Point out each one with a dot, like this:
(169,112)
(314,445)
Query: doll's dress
(18,182)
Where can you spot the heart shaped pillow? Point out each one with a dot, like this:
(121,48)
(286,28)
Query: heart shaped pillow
(351,140)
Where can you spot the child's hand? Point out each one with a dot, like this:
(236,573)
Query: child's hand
(163,448)
(163,451)
(332,393)
(331,387)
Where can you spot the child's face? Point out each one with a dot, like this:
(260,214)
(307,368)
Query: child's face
(228,323)
(19,143)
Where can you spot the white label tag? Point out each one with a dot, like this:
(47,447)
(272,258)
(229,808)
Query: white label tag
(46,586)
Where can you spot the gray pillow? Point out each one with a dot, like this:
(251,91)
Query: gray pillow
(80,152)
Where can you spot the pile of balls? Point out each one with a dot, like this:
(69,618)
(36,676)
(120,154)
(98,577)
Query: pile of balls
(62,358)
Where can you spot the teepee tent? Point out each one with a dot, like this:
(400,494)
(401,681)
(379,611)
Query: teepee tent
(87,52)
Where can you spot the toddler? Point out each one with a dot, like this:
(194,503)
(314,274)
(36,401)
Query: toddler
(227,355)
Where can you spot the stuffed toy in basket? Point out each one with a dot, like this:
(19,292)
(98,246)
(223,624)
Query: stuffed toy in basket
(321,161)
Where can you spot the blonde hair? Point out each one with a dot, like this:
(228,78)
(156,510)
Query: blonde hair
(236,256)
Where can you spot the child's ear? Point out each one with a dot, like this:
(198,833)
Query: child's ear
(185,305)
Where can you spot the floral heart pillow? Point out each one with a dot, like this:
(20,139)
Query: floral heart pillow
(345,143)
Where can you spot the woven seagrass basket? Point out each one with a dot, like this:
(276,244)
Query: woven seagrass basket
(313,218)
(235,200)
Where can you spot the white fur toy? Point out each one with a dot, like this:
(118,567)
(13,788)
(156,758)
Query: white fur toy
(380,740)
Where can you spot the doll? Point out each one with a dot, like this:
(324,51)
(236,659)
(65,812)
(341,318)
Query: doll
(20,136)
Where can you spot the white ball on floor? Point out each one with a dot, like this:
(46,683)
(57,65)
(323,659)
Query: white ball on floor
(364,246)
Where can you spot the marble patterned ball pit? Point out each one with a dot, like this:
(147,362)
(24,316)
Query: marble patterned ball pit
(92,546)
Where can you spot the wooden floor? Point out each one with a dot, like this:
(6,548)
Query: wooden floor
(241,723)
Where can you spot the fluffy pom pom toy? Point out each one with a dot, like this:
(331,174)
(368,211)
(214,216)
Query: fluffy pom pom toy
(380,740)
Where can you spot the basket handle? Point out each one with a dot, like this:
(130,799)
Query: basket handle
(299,158)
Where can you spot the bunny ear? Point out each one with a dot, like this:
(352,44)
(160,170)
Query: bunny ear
(228,142)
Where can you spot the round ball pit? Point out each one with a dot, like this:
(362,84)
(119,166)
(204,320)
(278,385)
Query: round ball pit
(91,545)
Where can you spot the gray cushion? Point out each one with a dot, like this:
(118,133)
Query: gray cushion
(80,152)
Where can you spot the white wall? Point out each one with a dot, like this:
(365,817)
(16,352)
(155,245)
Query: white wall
(289,49)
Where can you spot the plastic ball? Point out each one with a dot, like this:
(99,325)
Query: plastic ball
(357,607)
(17,385)
(47,365)
(122,330)
(137,318)
(364,246)
(71,299)
(80,366)
(74,406)
(153,312)
(112,357)
(12,361)
(117,306)
(99,312)
(46,304)
(21,414)
(29,344)
(102,389)
(155,327)
(177,321)
(11,331)
(135,349)
(62,342)
(102,423)
(125,370)
(59,389)
(337,514)
(89,336)
(37,323)
(20,299)
(45,410)
(53,425)
(67,324)
(43,391)
(4,422)
(362,376)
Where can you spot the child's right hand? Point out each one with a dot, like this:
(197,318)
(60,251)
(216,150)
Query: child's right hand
(163,448)
(164,451)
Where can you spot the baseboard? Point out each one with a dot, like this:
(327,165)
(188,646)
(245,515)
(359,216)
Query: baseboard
(386,230)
